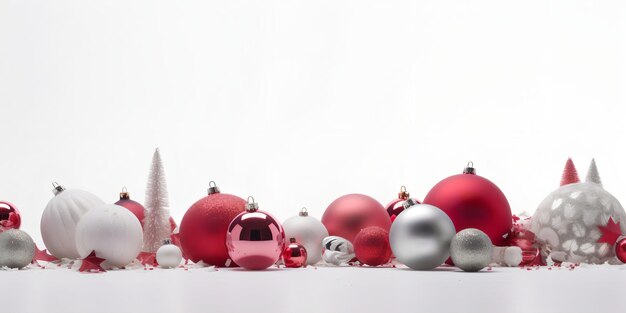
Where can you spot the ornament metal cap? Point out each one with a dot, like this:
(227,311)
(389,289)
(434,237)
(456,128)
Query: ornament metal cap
(213,188)
(124,194)
(292,240)
(57,188)
(469,169)
(303,212)
(167,241)
(409,203)
(251,206)
(403,194)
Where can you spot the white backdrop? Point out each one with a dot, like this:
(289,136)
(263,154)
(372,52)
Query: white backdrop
(299,102)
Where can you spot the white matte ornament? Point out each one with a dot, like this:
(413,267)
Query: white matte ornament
(113,232)
(60,217)
(567,221)
(169,256)
(309,232)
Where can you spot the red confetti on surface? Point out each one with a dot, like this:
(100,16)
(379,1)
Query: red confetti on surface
(610,232)
(91,264)
(147,258)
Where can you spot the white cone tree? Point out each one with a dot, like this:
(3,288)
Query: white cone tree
(592,173)
(156,224)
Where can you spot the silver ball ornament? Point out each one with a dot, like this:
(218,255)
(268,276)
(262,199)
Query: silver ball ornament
(471,250)
(17,249)
(420,236)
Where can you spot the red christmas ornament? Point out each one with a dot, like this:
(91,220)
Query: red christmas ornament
(255,239)
(346,216)
(371,246)
(472,201)
(136,208)
(294,254)
(620,249)
(9,216)
(395,206)
(203,228)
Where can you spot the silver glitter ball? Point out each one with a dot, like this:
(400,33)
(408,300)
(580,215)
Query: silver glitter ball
(420,236)
(17,249)
(470,250)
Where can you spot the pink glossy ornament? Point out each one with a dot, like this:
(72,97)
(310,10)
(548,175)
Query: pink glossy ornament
(9,216)
(255,239)
(346,216)
(620,249)
(395,206)
(136,208)
(295,254)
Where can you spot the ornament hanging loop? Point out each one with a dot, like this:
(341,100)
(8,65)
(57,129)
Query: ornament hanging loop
(469,169)
(213,188)
(124,194)
(403,194)
(251,205)
(57,188)
(303,212)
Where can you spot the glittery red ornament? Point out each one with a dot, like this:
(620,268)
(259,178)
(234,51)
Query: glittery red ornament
(620,249)
(346,216)
(295,254)
(395,206)
(9,216)
(371,246)
(136,208)
(472,201)
(203,228)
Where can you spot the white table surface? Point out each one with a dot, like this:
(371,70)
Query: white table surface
(315,289)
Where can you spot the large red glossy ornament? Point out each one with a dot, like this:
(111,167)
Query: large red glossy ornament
(9,216)
(371,246)
(472,201)
(395,206)
(255,239)
(295,254)
(203,228)
(136,208)
(620,249)
(346,216)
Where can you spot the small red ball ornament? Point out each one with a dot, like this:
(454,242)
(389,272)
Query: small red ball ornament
(472,201)
(620,249)
(255,239)
(346,216)
(395,206)
(203,228)
(9,216)
(295,254)
(371,246)
(136,208)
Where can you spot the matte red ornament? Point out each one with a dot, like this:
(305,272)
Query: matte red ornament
(255,239)
(395,206)
(136,208)
(346,216)
(9,216)
(472,201)
(610,232)
(92,264)
(570,175)
(620,249)
(371,246)
(294,254)
(203,228)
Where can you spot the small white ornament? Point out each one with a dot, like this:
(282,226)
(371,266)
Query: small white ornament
(60,217)
(169,255)
(308,232)
(113,232)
